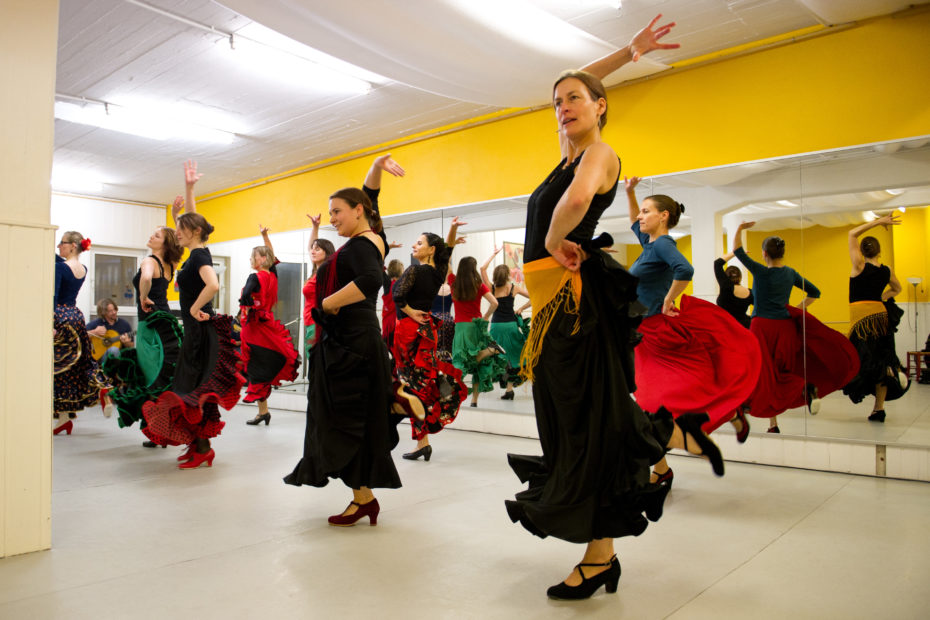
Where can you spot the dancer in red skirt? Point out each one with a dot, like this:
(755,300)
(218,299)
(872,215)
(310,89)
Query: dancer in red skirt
(427,388)
(796,369)
(319,250)
(388,309)
(206,375)
(268,353)
(692,360)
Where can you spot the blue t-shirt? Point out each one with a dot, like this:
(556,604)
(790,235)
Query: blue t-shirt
(771,287)
(121,326)
(658,265)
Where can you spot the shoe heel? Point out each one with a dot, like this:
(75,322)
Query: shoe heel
(267,419)
(610,586)
(428,453)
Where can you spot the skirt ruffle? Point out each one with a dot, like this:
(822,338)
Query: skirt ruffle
(878,363)
(190,410)
(702,360)
(445,327)
(470,340)
(268,356)
(436,383)
(77,379)
(511,336)
(144,372)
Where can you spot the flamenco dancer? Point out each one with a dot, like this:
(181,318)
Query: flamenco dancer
(319,250)
(77,379)
(428,389)
(507,326)
(143,373)
(444,320)
(349,432)
(692,344)
(733,297)
(795,371)
(592,483)
(268,353)
(206,376)
(871,284)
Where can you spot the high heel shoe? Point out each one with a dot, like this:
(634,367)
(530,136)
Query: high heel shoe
(588,585)
(262,417)
(152,444)
(426,452)
(191,451)
(508,395)
(877,416)
(743,433)
(665,477)
(199,459)
(370,510)
(411,405)
(66,427)
(690,424)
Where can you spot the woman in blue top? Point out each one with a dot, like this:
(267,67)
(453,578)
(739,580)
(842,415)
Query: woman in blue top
(787,379)
(77,380)
(681,353)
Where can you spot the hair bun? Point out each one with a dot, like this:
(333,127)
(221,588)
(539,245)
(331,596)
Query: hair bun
(85,244)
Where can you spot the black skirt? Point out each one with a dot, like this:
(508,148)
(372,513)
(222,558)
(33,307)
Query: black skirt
(592,480)
(350,429)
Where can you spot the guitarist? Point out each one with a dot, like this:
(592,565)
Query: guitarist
(108,321)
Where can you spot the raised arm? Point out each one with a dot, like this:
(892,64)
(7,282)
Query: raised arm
(314,230)
(266,240)
(737,243)
(643,42)
(630,185)
(382,163)
(452,238)
(855,254)
(191,176)
(484,269)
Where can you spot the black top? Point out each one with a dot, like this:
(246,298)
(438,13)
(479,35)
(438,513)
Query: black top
(158,292)
(504,312)
(120,326)
(190,284)
(870,284)
(737,307)
(417,288)
(358,261)
(442,304)
(373,196)
(542,203)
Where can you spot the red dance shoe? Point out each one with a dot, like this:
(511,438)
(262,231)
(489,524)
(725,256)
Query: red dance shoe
(66,427)
(370,510)
(198,459)
(191,451)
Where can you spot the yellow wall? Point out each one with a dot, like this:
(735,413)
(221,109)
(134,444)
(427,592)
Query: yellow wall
(826,92)
(912,257)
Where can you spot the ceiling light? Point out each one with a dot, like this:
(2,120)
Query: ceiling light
(901,209)
(895,192)
(155,123)
(786,203)
(870,216)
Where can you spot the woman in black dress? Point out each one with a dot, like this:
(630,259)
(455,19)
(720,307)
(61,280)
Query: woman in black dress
(350,433)
(592,483)
(734,297)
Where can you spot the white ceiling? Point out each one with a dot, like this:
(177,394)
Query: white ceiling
(440,65)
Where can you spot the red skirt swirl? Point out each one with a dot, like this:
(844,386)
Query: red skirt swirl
(831,361)
(438,384)
(180,417)
(268,354)
(700,361)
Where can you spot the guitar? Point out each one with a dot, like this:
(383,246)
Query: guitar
(100,345)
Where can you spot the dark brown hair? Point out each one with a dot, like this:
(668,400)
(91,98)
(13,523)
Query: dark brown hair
(192,221)
(442,254)
(328,248)
(103,305)
(870,247)
(734,274)
(171,249)
(774,247)
(667,203)
(593,85)
(467,281)
(500,276)
(355,197)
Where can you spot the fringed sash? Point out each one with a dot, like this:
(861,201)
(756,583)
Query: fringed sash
(867,319)
(552,287)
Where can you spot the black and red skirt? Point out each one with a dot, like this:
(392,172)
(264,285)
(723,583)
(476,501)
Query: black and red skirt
(268,354)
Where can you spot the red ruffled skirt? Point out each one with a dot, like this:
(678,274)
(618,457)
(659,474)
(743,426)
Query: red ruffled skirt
(268,355)
(438,384)
(180,417)
(831,361)
(700,361)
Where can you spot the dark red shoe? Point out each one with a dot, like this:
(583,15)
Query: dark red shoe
(66,427)
(666,477)
(191,451)
(743,433)
(199,459)
(370,510)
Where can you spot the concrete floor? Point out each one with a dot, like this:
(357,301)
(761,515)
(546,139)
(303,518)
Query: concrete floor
(133,537)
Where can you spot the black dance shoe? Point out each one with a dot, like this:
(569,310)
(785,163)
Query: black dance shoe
(508,395)
(426,452)
(690,424)
(665,477)
(264,417)
(877,416)
(773,429)
(588,586)
(152,444)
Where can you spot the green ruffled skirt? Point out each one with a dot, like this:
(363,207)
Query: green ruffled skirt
(470,339)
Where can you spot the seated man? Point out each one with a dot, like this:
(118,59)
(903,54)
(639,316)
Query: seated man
(105,346)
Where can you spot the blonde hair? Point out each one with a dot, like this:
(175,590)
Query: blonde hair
(267,256)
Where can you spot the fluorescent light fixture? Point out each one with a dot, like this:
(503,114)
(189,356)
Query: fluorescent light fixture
(901,209)
(147,122)
(266,61)
(895,192)
(78,181)
(786,203)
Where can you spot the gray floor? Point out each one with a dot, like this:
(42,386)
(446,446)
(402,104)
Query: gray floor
(133,537)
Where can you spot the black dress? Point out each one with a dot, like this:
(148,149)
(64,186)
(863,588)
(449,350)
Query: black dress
(592,480)
(737,307)
(350,431)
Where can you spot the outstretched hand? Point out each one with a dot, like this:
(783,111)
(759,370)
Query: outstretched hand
(177,207)
(389,165)
(191,175)
(263,230)
(459,240)
(394,244)
(315,219)
(745,225)
(630,183)
(892,219)
(457,222)
(647,39)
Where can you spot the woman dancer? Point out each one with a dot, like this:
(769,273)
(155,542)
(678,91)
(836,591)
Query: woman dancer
(507,326)
(733,297)
(349,434)
(268,353)
(592,483)
(691,344)
(319,250)
(473,350)
(206,375)
(795,372)
(870,284)
(428,388)
(77,379)
(143,373)
(388,310)
(444,320)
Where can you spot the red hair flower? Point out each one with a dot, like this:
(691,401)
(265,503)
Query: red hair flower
(85,244)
